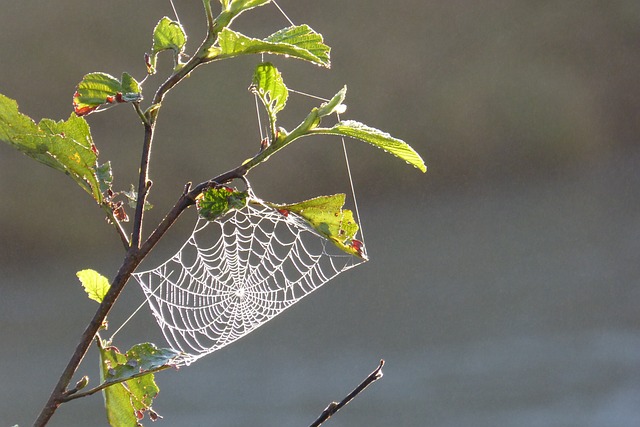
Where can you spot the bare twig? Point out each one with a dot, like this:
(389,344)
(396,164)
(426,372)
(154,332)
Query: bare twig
(122,233)
(118,226)
(144,184)
(336,406)
(100,387)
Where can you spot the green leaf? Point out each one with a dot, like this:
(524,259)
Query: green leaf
(299,42)
(65,145)
(305,38)
(100,89)
(167,35)
(95,284)
(310,126)
(326,215)
(132,199)
(335,104)
(215,202)
(141,358)
(127,402)
(238,6)
(376,137)
(270,88)
(130,85)
(104,173)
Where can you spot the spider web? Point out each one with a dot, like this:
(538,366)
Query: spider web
(236,273)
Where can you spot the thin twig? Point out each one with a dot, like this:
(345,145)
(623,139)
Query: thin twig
(140,113)
(123,234)
(209,13)
(336,406)
(118,226)
(77,395)
(144,184)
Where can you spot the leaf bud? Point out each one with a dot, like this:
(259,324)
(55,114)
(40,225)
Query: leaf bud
(82,383)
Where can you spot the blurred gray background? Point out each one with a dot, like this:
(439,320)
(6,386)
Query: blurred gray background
(503,284)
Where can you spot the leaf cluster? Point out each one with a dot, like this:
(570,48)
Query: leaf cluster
(129,384)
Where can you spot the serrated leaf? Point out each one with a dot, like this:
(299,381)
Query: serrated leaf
(127,402)
(167,35)
(129,84)
(326,215)
(378,138)
(215,202)
(310,46)
(305,38)
(238,6)
(93,91)
(94,284)
(65,145)
(270,88)
(101,89)
(117,399)
(140,358)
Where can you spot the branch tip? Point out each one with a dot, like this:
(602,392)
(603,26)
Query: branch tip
(334,407)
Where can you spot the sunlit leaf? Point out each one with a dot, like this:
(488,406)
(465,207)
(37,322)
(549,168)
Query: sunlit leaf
(296,42)
(326,215)
(216,202)
(65,145)
(101,89)
(140,358)
(334,105)
(95,284)
(127,402)
(305,38)
(238,6)
(117,399)
(167,35)
(376,137)
(270,88)
(130,85)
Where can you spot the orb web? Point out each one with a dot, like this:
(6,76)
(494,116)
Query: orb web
(236,273)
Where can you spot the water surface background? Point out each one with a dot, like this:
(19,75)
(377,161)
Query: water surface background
(503,286)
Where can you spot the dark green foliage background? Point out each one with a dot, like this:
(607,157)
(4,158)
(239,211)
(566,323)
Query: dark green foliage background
(503,286)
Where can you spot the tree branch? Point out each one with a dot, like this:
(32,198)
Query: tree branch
(72,396)
(118,226)
(144,184)
(209,13)
(137,251)
(131,261)
(335,406)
